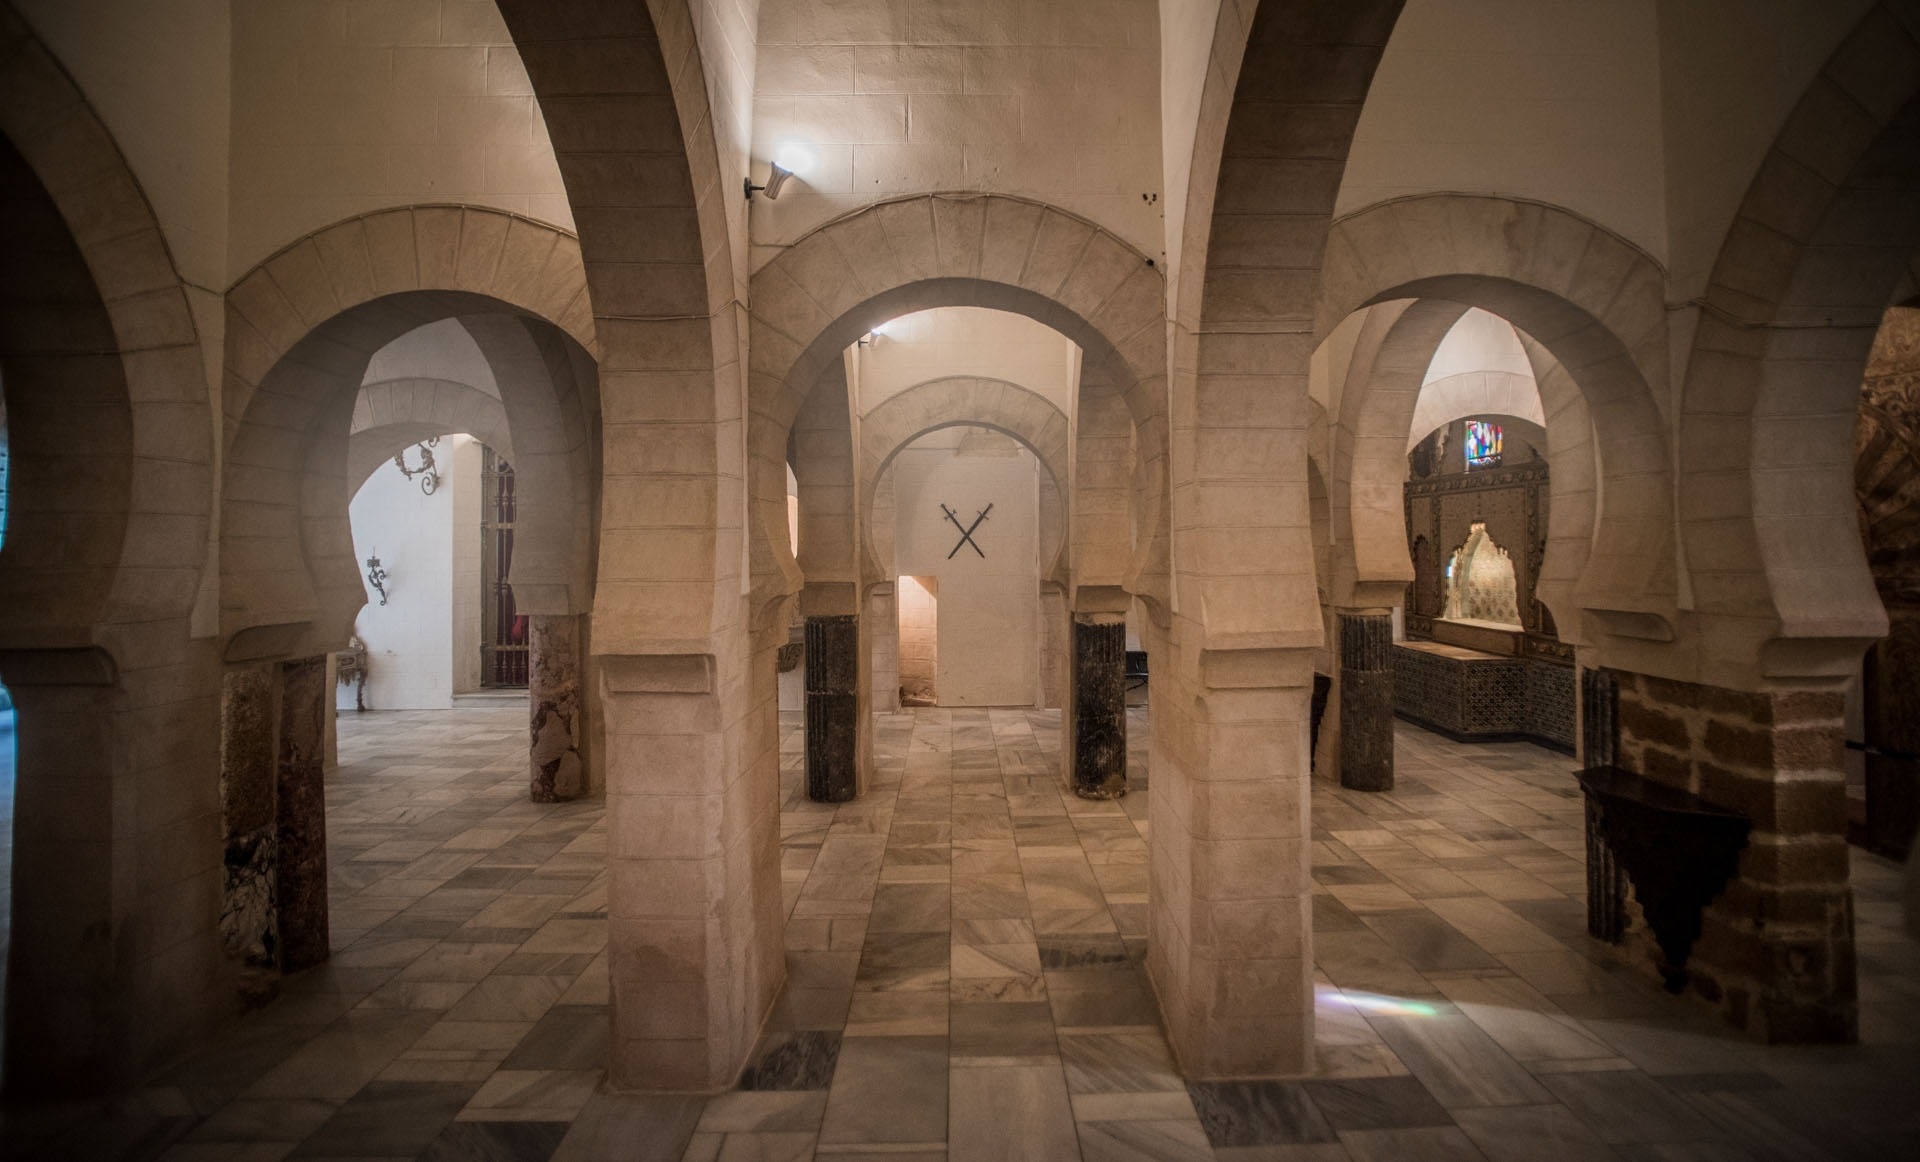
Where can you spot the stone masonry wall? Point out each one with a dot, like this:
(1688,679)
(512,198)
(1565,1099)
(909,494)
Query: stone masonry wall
(1776,952)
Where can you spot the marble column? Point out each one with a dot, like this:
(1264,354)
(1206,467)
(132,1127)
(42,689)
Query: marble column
(300,879)
(249,829)
(1366,701)
(832,707)
(1097,706)
(556,759)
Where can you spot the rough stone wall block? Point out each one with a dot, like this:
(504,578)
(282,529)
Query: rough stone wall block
(300,886)
(1099,707)
(1776,950)
(832,708)
(557,758)
(1366,701)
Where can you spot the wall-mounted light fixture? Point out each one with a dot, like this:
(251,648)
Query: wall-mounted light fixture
(430,475)
(777,176)
(376,576)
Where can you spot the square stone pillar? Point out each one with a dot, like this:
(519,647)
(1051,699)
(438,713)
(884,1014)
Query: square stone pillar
(69,1020)
(1230,950)
(1366,700)
(695,935)
(557,758)
(1775,953)
(1096,727)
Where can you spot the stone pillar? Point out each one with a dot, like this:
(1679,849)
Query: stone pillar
(300,877)
(1775,953)
(1097,706)
(249,927)
(69,1019)
(1230,950)
(1366,701)
(833,707)
(557,758)
(695,943)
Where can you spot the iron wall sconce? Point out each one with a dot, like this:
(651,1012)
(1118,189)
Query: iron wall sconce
(376,576)
(428,473)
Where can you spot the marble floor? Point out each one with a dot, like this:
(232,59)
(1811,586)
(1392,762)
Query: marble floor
(965,983)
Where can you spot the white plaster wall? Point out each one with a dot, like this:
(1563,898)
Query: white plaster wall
(950,341)
(1186,45)
(1479,341)
(342,108)
(157,74)
(1730,70)
(989,637)
(442,350)
(464,455)
(727,31)
(411,641)
(1057,101)
(1558,100)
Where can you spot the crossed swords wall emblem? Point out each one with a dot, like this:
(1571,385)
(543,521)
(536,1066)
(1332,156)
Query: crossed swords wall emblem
(966,531)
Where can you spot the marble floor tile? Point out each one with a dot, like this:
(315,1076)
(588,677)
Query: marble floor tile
(967,937)
(1257,1113)
(1019,1029)
(1376,1103)
(1459,1064)
(1010,1113)
(388,1118)
(497,1142)
(1433,1144)
(802,1060)
(1529,1133)
(888,1089)
(1144,1141)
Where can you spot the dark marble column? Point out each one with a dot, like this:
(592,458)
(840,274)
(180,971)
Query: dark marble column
(558,744)
(1366,701)
(1097,688)
(1599,717)
(300,890)
(833,708)
(249,829)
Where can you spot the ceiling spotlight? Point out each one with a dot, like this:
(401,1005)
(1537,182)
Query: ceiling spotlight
(777,176)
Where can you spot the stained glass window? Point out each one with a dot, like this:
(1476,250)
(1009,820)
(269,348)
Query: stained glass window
(1483,444)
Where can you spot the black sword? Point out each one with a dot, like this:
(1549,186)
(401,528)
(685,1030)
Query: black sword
(966,533)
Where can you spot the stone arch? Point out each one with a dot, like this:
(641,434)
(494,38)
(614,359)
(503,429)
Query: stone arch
(395,413)
(110,472)
(623,91)
(893,258)
(1591,299)
(1367,493)
(300,331)
(960,401)
(1824,241)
